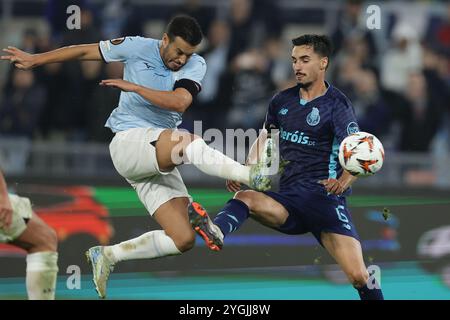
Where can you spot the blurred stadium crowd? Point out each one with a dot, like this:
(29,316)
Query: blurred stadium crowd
(397,77)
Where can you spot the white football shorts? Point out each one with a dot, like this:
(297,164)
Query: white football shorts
(134,157)
(21,210)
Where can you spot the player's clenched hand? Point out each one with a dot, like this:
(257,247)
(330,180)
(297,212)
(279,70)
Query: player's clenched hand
(333,186)
(19,58)
(5,212)
(119,84)
(233,186)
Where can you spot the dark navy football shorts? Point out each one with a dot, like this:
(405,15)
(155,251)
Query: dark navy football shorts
(314,212)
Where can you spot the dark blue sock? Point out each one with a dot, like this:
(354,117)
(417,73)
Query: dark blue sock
(232,216)
(374,293)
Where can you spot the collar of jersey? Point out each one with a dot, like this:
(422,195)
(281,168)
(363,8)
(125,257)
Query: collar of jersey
(159,55)
(303,102)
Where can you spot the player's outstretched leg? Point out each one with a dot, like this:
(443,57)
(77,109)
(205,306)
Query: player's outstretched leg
(204,226)
(215,163)
(173,148)
(102,267)
(235,212)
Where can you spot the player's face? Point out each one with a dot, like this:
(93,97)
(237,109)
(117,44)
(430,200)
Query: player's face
(307,65)
(176,53)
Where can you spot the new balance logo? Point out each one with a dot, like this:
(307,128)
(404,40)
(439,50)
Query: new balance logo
(283,111)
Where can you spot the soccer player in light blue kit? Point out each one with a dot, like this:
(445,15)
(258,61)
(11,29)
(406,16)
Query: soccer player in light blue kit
(161,78)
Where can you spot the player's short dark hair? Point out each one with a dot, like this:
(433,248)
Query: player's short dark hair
(321,44)
(185,27)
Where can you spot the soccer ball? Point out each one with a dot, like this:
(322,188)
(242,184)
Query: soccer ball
(361,154)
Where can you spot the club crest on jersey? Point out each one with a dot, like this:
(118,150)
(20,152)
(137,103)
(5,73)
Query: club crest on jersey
(313,117)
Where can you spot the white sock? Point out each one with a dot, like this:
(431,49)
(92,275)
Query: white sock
(215,163)
(150,245)
(42,269)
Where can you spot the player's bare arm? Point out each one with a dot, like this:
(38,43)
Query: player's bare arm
(5,205)
(338,186)
(177,100)
(26,61)
(255,151)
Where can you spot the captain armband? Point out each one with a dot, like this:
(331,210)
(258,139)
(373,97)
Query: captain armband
(193,87)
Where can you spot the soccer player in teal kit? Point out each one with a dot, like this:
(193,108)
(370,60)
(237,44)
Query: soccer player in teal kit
(312,119)
(161,78)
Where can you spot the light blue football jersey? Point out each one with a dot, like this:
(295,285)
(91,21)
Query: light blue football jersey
(144,66)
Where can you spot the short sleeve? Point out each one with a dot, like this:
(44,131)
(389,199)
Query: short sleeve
(120,49)
(194,70)
(344,120)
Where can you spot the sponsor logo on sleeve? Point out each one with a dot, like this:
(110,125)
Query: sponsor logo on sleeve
(352,128)
(105,45)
